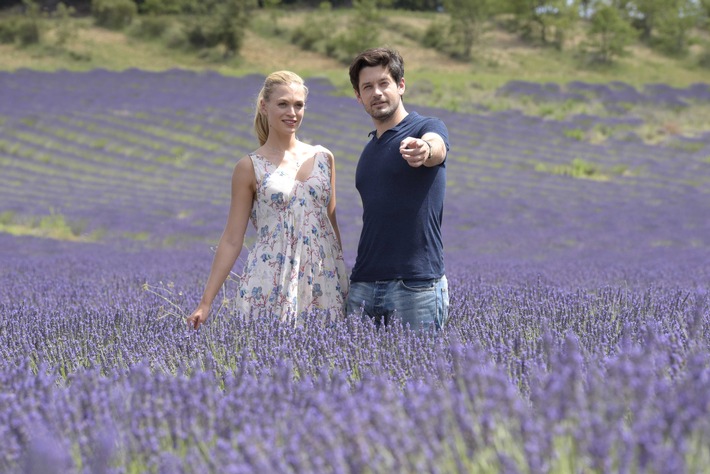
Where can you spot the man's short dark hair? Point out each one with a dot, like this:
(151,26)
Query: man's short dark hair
(387,57)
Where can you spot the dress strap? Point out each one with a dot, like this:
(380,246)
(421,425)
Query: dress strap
(259,166)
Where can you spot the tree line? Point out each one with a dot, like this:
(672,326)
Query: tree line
(606,27)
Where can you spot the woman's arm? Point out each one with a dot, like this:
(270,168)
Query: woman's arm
(332,202)
(232,239)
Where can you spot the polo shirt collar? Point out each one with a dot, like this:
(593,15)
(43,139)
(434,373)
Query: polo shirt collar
(409,116)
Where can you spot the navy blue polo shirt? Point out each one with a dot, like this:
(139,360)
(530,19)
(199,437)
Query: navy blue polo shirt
(402,207)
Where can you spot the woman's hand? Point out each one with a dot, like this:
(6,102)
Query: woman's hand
(198,316)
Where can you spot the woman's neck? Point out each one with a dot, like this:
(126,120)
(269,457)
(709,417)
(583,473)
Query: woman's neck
(276,150)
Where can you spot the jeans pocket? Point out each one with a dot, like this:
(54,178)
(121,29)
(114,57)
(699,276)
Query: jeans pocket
(418,285)
(444,306)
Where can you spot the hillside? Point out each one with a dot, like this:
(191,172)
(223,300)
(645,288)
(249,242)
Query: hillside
(500,57)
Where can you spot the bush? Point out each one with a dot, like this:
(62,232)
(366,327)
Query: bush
(162,6)
(25,29)
(704,59)
(307,36)
(434,36)
(150,26)
(28,31)
(65,28)
(316,38)
(609,35)
(113,14)
(219,23)
(8,28)
(202,34)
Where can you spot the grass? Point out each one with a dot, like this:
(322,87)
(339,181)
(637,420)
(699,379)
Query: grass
(52,226)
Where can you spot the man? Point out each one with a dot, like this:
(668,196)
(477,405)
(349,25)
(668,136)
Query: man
(401,178)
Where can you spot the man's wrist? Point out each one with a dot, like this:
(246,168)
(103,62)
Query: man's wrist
(430,151)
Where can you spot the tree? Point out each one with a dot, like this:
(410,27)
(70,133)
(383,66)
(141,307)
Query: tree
(362,33)
(673,26)
(545,20)
(218,22)
(647,13)
(421,5)
(609,34)
(467,22)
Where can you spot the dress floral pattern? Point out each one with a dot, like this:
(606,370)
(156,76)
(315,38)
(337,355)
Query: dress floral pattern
(296,265)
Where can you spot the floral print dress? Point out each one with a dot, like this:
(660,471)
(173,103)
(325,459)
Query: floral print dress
(296,265)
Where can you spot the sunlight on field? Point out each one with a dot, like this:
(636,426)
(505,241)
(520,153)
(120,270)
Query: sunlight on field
(576,239)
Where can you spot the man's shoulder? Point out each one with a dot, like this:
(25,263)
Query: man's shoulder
(417,118)
(426,123)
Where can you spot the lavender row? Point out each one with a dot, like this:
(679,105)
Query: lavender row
(532,375)
(613,94)
(509,193)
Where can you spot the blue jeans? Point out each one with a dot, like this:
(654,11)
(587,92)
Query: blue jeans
(421,304)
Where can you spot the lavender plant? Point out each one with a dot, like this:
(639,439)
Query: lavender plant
(580,312)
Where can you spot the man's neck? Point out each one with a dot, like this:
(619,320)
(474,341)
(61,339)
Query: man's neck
(391,121)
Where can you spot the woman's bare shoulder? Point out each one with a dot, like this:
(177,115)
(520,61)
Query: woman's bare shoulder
(244,170)
(321,149)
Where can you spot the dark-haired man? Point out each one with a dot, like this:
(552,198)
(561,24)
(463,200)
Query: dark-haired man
(401,178)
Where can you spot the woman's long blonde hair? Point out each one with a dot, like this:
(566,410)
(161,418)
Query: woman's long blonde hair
(273,80)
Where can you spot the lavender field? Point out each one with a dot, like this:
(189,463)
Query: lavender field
(579,336)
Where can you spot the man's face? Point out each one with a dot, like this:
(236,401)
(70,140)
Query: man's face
(379,93)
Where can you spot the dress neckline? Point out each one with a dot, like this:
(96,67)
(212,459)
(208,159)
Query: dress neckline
(276,168)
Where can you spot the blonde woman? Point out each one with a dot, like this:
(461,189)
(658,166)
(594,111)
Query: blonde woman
(287,189)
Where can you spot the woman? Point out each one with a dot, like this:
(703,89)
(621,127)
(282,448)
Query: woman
(287,188)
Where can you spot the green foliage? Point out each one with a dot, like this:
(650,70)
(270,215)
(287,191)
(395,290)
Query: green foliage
(7,30)
(578,168)
(704,58)
(609,35)
(6,217)
(704,14)
(435,36)
(26,29)
(65,27)
(151,26)
(309,37)
(674,25)
(543,21)
(163,7)
(113,14)
(576,134)
(267,24)
(52,226)
(360,33)
(645,13)
(466,25)
(219,23)
(416,5)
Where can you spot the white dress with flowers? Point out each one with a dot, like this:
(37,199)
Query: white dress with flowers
(296,265)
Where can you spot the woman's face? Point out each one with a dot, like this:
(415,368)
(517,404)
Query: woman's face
(285,108)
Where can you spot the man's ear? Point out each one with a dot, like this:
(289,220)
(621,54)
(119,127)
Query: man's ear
(357,96)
